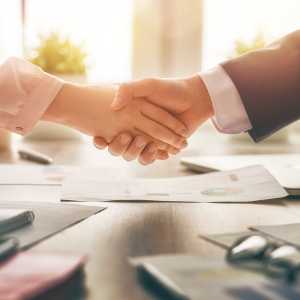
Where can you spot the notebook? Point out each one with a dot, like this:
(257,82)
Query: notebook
(196,277)
(50,218)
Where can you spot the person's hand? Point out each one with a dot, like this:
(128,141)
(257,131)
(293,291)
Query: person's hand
(131,148)
(187,99)
(88,110)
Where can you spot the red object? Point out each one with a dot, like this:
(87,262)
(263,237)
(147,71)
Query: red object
(29,274)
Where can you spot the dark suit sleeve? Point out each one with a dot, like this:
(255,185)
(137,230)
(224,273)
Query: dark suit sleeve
(268,81)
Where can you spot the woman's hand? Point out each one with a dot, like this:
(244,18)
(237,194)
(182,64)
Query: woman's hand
(131,148)
(88,110)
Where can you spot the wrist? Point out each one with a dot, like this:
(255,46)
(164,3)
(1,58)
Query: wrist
(199,93)
(62,107)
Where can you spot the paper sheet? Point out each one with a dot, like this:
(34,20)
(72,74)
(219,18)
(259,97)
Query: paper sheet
(34,175)
(45,175)
(284,167)
(242,185)
(289,233)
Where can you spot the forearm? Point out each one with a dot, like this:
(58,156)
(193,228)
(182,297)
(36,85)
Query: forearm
(74,103)
(65,108)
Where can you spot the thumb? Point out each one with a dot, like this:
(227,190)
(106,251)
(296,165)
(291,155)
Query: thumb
(128,91)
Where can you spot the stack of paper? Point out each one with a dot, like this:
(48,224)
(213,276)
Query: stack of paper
(242,185)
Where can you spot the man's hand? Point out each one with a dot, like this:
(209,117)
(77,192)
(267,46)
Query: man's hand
(187,99)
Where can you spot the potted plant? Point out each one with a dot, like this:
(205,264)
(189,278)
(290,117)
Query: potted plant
(242,47)
(61,57)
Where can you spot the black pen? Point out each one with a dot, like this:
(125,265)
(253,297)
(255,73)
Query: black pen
(35,156)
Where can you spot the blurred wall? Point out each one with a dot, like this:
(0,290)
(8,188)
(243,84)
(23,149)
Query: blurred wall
(167,37)
(10,29)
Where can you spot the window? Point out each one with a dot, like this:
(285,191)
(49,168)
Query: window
(228,20)
(103,26)
(10,28)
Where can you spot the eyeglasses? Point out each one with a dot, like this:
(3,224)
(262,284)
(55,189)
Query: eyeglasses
(258,253)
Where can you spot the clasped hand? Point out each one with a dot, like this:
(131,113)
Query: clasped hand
(178,105)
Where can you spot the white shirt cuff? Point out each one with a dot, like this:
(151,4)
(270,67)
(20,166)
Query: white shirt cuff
(230,114)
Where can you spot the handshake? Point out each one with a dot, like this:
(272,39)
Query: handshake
(148,119)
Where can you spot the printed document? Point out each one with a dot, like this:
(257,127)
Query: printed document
(242,185)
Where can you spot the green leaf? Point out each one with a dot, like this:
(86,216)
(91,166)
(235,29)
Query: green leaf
(57,54)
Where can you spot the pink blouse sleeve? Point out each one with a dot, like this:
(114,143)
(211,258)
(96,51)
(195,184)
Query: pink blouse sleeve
(25,94)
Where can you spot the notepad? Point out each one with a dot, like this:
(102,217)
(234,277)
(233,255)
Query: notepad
(198,277)
(288,233)
(11,219)
(50,219)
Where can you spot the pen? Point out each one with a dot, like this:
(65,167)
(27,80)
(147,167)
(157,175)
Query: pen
(35,156)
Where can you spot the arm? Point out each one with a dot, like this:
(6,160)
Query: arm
(87,109)
(268,82)
(258,92)
(25,94)
(186,98)
(28,94)
(229,116)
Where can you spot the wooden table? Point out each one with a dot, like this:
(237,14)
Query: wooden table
(134,229)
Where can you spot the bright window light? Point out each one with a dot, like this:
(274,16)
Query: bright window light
(104,27)
(228,20)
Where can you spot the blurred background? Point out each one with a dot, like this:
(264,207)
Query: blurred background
(116,40)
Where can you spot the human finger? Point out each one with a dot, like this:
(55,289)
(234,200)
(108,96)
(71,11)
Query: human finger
(120,144)
(135,89)
(148,156)
(100,143)
(164,118)
(161,132)
(135,148)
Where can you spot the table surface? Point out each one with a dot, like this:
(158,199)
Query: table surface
(134,229)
